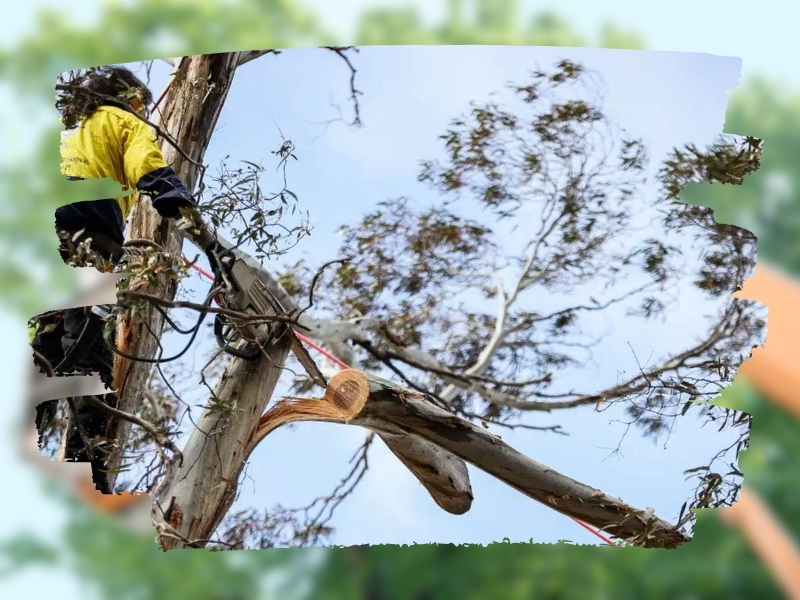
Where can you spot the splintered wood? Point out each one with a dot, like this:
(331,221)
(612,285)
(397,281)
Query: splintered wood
(345,397)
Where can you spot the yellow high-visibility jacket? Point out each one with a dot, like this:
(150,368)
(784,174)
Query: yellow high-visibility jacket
(116,144)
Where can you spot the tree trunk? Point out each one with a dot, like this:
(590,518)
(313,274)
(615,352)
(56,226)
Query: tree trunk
(190,111)
(202,490)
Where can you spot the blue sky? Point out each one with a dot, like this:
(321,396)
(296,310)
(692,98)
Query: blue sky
(667,98)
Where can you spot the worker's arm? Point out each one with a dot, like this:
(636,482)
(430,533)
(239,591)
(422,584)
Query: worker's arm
(145,165)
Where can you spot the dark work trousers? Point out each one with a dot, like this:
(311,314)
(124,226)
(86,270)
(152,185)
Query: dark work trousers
(66,326)
(100,216)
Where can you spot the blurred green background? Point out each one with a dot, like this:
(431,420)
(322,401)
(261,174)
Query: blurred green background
(99,558)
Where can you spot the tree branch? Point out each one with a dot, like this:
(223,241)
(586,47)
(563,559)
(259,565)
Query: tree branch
(159,437)
(246,57)
(369,330)
(390,411)
(354,93)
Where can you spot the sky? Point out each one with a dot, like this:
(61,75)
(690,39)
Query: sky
(675,98)
(761,37)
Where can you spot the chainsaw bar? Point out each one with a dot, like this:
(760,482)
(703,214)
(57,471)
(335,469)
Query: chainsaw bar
(247,293)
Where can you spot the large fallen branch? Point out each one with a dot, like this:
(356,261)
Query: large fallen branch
(197,498)
(389,410)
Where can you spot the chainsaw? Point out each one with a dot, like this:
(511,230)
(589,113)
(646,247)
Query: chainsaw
(244,292)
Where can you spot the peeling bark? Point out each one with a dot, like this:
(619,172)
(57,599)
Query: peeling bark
(190,112)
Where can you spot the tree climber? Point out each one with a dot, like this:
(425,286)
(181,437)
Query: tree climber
(105,136)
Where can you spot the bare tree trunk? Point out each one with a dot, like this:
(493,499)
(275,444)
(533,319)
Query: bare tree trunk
(200,494)
(190,112)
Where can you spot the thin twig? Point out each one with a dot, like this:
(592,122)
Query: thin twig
(314,282)
(253,319)
(354,93)
(159,437)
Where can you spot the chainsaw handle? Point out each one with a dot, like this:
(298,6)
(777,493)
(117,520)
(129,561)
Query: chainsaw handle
(204,238)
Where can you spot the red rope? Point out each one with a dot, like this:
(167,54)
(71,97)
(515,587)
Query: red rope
(344,365)
(607,540)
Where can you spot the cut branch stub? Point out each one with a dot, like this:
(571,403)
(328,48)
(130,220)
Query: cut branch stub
(348,392)
(345,397)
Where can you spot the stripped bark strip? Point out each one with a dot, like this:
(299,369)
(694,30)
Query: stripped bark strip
(190,111)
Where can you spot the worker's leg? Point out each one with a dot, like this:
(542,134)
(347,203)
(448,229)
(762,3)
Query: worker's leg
(95,216)
(88,424)
(47,342)
(83,342)
(101,216)
(85,439)
(58,334)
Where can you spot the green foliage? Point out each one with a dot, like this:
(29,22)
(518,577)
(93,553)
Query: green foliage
(770,463)
(128,567)
(700,569)
(234,203)
(768,201)
(24,551)
(486,22)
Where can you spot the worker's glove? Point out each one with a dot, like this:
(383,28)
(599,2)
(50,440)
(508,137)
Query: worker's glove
(169,207)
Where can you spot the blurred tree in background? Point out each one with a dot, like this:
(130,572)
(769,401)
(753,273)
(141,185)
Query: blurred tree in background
(717,564)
